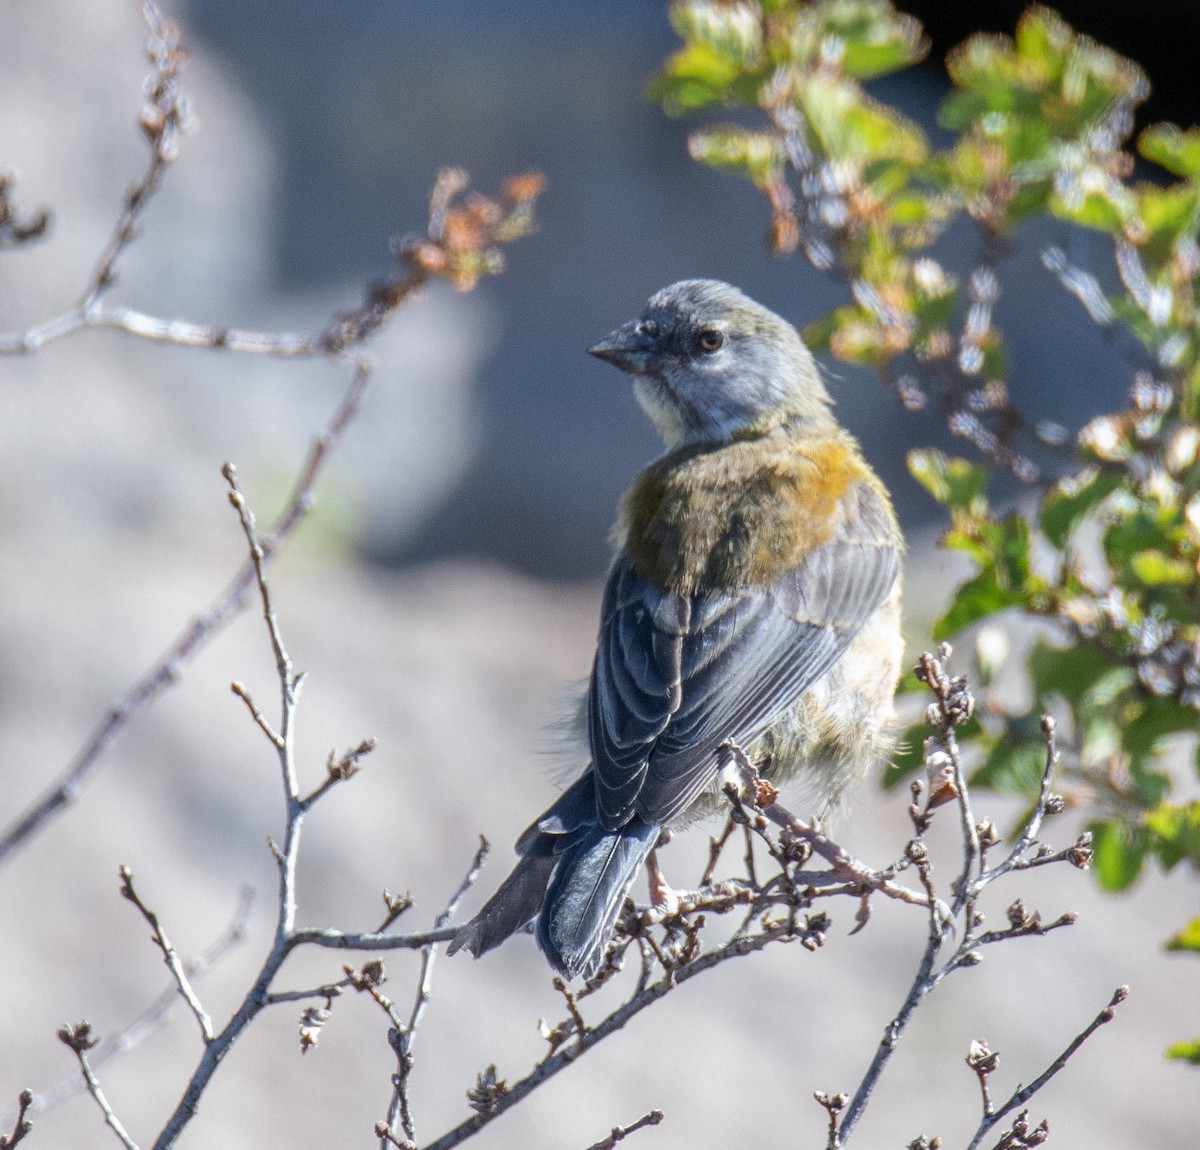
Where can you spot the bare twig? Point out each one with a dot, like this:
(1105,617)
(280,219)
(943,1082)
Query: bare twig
(329,990)
(1021,1096)
(338,769)
(462,244)
(368,940)
(168,670)
(499,1101)
(257,998)
(402,1038)
(620,1133)
(15,231)
(261,721)
(163,120)
(21,1125)
(153,1017)
(79,1039)
(170,956)
(286,936)
(953,705)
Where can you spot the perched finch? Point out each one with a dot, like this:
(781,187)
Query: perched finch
(754,604)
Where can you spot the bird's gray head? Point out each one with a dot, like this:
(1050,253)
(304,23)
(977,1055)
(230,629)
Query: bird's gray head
(709,363)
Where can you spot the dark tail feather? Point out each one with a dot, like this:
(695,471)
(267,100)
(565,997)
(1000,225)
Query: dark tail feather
(514,905)
(594,874)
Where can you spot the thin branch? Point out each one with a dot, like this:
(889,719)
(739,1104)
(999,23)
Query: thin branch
(1016,857)
(461,244)
(163,121)
(260,720)
(368,940)
(953,706)
(501,1097)
(257,997)
(1020,1097)
(168,670)
(79,1039)
(153,1017)
(21,1125)
(339,769)
(844,867)
(404,1038)
(620,1133)
(170,956)
(13,233)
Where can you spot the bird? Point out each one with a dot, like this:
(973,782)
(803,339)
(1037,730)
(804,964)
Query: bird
(752,606)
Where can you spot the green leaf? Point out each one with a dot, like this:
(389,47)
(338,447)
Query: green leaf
(1105,213)
(731,31)
(866,61)
(1013,768)
(1157,570)
(1118,853)
(974,600)
(819,333)
(1168,215)
(1139,532)
(1175,833)
(1177,151)
(1188,938)
(873,38)
(700,74)
(849,125)
(1012,554)
(1070,671)
(752,154)
(1032,198)
(953,482)
(1186,1051)
(1158,719)
(1072,499)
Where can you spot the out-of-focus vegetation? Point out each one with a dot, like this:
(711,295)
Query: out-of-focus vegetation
(1104,554)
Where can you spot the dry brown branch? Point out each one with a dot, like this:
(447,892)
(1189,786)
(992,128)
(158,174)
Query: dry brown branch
(168,670)
(15,231)
(953,705)
(620,1133)
(1022,1095)
(21,1125)
(79,1039)
(157,1013)
(463,242)
(286,937)
(170,956)
(402,1038)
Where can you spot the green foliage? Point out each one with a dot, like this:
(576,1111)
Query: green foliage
(955,483)
(1106,568)
(1186,1051)
(1186,939)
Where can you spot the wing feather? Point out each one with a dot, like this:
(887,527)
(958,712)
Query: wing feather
(677,677)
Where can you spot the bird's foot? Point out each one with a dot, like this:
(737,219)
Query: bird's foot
(662,896)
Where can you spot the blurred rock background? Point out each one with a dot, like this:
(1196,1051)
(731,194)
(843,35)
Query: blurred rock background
(444,597)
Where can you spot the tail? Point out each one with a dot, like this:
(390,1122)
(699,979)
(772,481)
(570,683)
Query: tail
(595,871)
(520,897)
(572,877)
(514,905)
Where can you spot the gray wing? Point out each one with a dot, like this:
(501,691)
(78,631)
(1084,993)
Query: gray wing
(676,677)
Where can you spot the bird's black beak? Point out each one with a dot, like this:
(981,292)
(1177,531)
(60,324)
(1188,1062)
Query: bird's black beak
(629,348)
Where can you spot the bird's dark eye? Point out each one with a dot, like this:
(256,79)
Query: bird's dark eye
(711,340)
(647,327)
